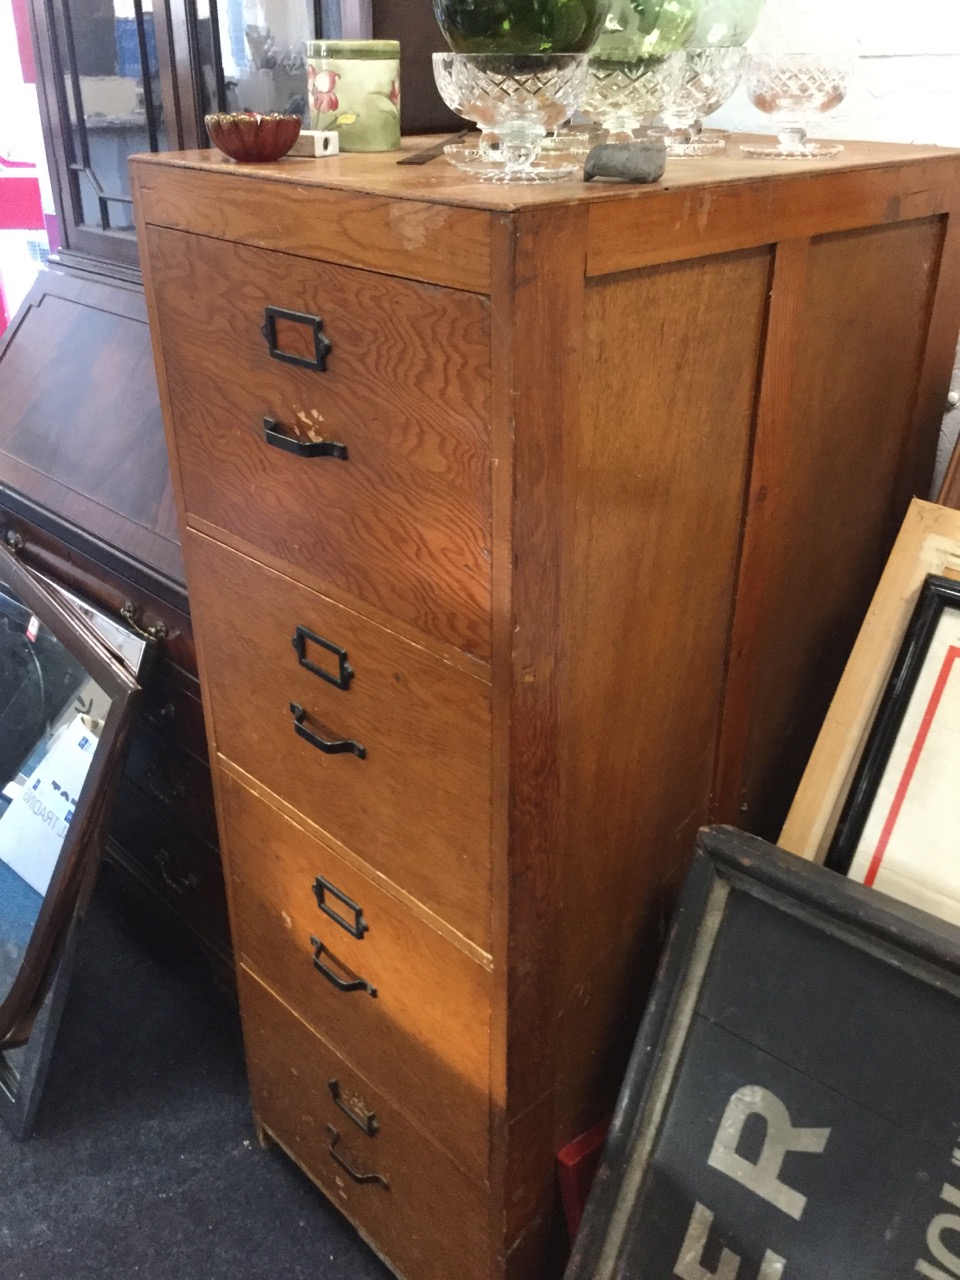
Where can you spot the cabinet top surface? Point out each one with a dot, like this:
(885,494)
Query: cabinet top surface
(439,182)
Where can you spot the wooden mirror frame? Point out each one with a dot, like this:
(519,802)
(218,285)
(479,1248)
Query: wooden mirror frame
(80,854)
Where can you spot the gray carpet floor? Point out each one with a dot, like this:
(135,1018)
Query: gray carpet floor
(144,1162)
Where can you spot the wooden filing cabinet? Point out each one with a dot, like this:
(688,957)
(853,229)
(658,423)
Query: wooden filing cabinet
(526,530)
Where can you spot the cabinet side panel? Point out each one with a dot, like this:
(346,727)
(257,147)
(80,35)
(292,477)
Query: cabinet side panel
(828,493)
(671,357)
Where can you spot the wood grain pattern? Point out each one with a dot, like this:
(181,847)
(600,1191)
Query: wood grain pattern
(655,497)
(430,1221)
(689,222)
(405,390)
(423,1040)
(928,542)
(418,807)
(79,392)
(837,403)
(670,451)
(537,304)
(420,240)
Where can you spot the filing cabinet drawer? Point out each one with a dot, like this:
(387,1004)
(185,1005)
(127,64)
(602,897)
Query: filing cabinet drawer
(426,1217)
(416,806)
(400,518)
(310,925)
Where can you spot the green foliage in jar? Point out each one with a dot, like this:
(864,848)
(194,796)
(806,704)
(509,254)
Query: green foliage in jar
(637,29)
(521,26)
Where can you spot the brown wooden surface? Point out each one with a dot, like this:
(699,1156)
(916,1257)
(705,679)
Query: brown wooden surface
(537,303)
(431,1220)
(81,432)
(836,403)
(668,444)
(405,391)
(655,530)
(419,240)
(748,209)
(424,1039)
(418,806)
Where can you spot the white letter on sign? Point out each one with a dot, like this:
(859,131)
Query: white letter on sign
(690,1265)
(781,1137)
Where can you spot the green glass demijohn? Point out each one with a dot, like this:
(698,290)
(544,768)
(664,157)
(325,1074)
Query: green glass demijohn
(521,26)
(636,29)
(726,23)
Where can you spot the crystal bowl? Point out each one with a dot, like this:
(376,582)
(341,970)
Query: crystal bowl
(252,138)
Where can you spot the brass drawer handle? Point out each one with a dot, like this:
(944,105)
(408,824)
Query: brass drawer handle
(321,888)
(342,984)
(329,746)
(179,887)
(356,1174)
(366,1120)
(302,448)
(321,343)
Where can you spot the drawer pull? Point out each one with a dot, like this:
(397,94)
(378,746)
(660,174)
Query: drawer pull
(366,1120)
(299,642)
(177,886)
(321,888)
(356,1174)
(342,984)
(321,343)
(329,746)
(302,448)
(167,793)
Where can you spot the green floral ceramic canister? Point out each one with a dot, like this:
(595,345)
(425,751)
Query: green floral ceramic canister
(355,90)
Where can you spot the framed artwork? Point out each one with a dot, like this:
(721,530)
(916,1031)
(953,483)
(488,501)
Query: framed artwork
(928,545)
(791,1104)
(900,828)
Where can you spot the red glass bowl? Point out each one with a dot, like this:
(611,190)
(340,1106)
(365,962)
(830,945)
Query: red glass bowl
(252,138)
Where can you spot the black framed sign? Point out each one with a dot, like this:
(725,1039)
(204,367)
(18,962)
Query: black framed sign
(792,1106)
(900,827)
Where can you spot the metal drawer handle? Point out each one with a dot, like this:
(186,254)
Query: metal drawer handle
(302,448)
(329,746)
(321,888)
(321,343)
(180,887)
(346,672)
(366,1120)
(342,984)
(356,1174)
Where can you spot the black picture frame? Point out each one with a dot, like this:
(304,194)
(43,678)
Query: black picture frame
(781,978)
(30,1009)
(937,595)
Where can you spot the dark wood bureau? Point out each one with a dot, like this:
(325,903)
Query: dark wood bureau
(526,531)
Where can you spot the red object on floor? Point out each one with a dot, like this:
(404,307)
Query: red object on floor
(577,1163)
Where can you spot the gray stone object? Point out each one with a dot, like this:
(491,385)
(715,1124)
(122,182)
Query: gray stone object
(629,161)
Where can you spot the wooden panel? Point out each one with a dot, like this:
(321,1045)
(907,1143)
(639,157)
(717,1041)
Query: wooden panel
(424,1038)
(418,806)
(656,488)
(848,326)
(433,242)
(685,222)
(180,871)
(405,390)
(430,1221)
(82,434)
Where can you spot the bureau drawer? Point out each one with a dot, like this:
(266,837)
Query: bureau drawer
(419,1028)
(417,805)
(403,521)
(429,1221)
